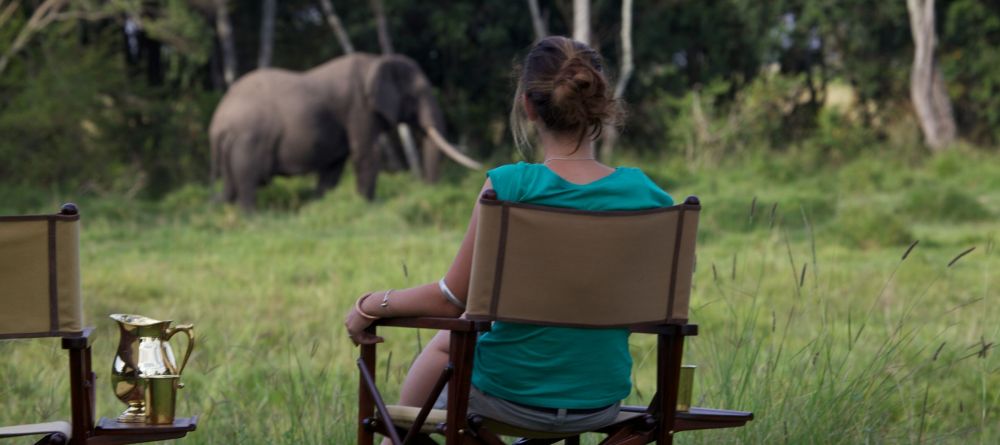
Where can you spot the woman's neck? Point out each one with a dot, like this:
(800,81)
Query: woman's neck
(563,146)
(574,163)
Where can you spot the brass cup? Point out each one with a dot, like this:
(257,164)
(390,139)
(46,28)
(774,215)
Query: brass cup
(684,388)
(161,398)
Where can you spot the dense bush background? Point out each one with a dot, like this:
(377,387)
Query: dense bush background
(713,80)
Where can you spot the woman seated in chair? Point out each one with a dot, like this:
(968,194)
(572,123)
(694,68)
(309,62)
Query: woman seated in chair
(536,377)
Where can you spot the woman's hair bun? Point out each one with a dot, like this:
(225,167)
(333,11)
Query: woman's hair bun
(565,83)
(580,94)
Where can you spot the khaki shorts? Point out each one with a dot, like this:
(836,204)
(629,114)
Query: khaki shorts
(523,417)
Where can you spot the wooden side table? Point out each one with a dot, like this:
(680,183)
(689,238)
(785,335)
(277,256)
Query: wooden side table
(111,432)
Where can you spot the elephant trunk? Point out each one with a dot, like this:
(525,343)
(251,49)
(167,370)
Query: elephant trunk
(450,150)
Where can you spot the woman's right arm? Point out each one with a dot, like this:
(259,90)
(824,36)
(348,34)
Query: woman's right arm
(424,300)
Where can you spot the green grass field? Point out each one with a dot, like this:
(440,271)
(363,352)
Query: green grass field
(809,317)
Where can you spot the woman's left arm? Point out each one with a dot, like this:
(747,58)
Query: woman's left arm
(425,300)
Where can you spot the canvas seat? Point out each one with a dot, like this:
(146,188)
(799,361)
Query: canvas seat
(40,297)
(405,417)
(556,267)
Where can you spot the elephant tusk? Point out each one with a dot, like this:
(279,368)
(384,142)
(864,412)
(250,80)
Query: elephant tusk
(451,151)
(406,139)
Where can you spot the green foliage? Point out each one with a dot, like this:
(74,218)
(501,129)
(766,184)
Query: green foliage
(467,49)
(871,173)
(969,59)
(448,207)
(872,41)
(741,213)
(52,117)
(189,39)
(839,138)
(287,194)
(768,114)
(942,203)
(86,124)
(869,226)
(185,199)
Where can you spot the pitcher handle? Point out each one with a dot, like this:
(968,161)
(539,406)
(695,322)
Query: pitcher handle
(187,329)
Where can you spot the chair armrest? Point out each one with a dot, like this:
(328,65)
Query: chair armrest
(78,341)
(708,419)
(712,414)
(701,418)
(450,324)
(687,330)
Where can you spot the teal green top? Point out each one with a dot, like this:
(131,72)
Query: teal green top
(558,367)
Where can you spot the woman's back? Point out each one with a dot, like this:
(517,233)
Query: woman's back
(558,367)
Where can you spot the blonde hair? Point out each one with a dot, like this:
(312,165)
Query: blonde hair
(566,85)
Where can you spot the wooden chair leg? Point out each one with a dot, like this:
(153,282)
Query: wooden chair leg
(670,349)
(81,382)
(366,403)
(462,348)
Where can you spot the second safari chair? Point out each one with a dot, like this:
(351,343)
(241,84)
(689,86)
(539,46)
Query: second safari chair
(561,267)
(40,297)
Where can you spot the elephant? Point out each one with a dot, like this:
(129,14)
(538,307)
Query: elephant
(277,122)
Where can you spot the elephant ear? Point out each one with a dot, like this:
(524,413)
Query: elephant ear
(385,89)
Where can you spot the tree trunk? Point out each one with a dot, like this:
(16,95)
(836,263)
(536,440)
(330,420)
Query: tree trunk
(382,26)
(536,20)
(225,32)
(927,88)
(581,21)
(338,28)
(266,34)
(610,131)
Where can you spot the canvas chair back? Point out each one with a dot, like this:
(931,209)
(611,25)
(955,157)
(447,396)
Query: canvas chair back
(40,275)
(564,267)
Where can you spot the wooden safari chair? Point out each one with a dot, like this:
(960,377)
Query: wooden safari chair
(40,297)
(562,267)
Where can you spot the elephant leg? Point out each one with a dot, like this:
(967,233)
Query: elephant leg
(366,163)
(229,190)
(247,175)
(366,178)
(247,195)
(330,176)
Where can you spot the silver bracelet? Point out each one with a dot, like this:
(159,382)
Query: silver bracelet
(448,295)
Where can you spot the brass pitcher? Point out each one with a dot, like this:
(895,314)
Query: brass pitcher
(144,351)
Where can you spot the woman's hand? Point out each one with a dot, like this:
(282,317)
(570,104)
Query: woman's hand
(356,324)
